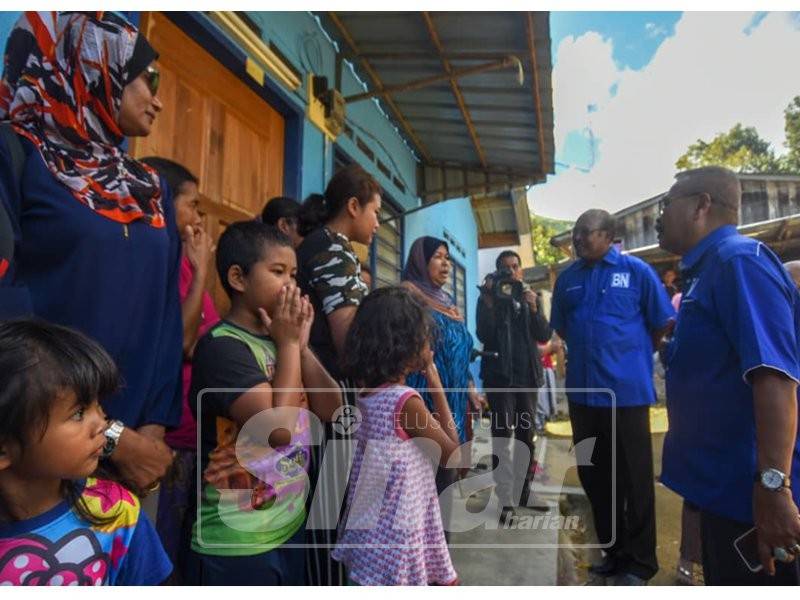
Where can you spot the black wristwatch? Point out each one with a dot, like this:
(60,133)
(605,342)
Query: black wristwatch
(773,480)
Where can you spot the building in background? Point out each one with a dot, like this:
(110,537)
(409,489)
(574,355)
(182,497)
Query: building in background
(770,212)
(451,112)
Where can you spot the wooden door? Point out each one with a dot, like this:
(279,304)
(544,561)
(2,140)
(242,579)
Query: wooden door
(215,126)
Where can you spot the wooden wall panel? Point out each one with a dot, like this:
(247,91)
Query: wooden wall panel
(217,127)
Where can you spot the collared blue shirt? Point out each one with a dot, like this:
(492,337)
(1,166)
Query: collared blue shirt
(739,311)
(606,312)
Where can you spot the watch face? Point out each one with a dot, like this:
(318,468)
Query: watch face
(771,479)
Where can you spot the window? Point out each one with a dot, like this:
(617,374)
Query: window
(755,205)
(386,253)
(460,276)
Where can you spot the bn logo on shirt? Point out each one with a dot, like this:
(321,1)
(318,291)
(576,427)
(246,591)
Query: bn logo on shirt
(621,280)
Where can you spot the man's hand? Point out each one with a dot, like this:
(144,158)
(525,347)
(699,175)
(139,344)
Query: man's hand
(141,459)
(775,406)
(777,523)
(530,298)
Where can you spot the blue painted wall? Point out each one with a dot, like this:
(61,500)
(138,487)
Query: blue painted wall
(298,36)
(7,20)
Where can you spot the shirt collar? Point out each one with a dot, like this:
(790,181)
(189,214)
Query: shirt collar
(611,257)
(338,237)
(693,256)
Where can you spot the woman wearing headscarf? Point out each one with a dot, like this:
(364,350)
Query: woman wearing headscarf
(96,245)
(427,271)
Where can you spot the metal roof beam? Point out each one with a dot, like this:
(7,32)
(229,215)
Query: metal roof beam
(426,55)
(537,100)
(454,86)
(377,82)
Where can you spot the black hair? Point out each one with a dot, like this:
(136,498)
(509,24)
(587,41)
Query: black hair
(609,224)
(498,263)
(38,361)
(386,337)
(174,174)
(280,207)
(244,243)
(310,214)
(349,182)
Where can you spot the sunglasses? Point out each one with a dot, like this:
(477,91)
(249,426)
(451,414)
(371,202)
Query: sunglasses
(153,77)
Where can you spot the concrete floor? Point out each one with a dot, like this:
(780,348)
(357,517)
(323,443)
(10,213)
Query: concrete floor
(547,551)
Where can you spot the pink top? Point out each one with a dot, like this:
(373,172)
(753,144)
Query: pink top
(676,301)
(392,531)
(184,436)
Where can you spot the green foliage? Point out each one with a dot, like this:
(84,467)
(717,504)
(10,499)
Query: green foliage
(740,149)
(542,229)
(792,128)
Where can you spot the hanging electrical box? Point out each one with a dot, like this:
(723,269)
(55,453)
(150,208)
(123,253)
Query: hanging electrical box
(326,108)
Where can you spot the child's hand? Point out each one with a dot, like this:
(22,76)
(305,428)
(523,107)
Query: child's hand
(477,401)
(285,326)
(198,247)
(308,321)
(429,369)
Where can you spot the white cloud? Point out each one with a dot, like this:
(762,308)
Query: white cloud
(582,76)
(701,81)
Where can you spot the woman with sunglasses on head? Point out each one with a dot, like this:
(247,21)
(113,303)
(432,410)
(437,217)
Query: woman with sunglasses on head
(96,245)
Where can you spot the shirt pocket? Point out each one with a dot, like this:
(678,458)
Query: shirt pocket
(573,297)
(620,303)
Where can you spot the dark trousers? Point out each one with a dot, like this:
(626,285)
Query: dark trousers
(722,564)
(691,548)
(177,509)
(512,417)
(627,522)
(279,566)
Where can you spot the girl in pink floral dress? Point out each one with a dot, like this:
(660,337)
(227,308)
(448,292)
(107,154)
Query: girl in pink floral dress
(392,530)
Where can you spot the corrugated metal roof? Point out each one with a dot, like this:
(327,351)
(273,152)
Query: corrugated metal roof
(475,134)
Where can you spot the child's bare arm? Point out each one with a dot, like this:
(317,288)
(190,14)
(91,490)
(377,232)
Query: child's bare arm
(441,409)
(418,422)
(328,395)
(286,389)
(328,398)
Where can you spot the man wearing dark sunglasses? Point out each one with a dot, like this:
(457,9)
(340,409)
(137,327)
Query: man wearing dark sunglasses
(732,448)
(609,307)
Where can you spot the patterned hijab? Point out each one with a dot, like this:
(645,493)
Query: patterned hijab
(416,275)
(62,88)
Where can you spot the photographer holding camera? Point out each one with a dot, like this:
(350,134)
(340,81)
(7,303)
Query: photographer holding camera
(510,323)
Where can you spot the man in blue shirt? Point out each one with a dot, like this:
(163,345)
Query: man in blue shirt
(732,372)
(609,308)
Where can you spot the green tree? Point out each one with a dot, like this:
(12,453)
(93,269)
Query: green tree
(740,149)
(542,229)
(792,128)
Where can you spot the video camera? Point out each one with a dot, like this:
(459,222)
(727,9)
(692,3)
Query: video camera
(505,287)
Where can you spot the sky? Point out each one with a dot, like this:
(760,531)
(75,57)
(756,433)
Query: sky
(631,92)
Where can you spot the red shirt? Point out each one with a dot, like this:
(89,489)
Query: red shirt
(547,359)
(185,435)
